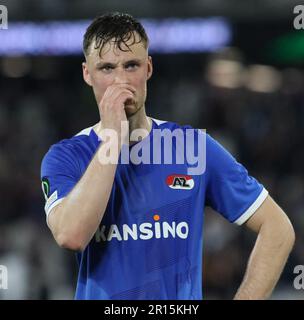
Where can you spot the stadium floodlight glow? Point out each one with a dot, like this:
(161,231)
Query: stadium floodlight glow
(187,35)
(65,37)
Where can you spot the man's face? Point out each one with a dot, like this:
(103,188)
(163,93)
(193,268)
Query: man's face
(114,66)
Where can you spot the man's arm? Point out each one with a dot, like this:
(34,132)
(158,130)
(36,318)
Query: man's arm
(74,221)
(274,242)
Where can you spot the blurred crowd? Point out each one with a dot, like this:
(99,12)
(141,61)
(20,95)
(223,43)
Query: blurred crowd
(256,112)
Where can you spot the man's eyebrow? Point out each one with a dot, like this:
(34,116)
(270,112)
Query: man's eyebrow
(102,64)
(132,61)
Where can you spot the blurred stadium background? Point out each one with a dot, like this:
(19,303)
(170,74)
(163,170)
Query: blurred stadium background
(233,67)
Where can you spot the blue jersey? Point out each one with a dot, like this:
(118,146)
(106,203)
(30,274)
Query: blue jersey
(150,240)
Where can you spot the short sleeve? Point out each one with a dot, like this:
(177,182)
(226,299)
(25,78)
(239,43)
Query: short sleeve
(59,174)
(231,191)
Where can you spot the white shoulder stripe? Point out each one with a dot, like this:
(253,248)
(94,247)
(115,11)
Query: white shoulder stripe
(158,122)
(85,132)
(253,208)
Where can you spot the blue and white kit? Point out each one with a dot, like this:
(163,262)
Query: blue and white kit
(150,241)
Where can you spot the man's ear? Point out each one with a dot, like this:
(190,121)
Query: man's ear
(86,74)
(150,68)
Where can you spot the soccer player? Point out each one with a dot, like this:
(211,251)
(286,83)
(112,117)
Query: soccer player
(137,226)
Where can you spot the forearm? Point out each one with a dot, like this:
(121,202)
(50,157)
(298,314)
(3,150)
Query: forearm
(81,212)
(267,260)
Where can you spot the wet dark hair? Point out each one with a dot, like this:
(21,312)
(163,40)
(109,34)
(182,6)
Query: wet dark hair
(116,26)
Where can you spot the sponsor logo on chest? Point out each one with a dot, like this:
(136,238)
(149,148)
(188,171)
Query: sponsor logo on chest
(180,181)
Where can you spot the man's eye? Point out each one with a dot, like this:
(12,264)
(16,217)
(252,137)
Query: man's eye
(131,66)
(106,68)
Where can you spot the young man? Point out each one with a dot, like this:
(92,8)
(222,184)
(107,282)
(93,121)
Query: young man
(137,227)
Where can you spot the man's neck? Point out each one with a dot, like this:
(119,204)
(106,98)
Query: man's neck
(140,121)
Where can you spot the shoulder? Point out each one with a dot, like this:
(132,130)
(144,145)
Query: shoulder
(80,139)
(188,130)
(190,135)
(69,150)
(163,124)
(212,143)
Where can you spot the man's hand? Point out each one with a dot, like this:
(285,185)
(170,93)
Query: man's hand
(111,107)
(269,255)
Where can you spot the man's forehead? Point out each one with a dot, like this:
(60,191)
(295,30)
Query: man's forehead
(112,50)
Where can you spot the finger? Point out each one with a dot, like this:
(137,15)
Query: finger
(112,95)
(112,88)
(124,85)
(117,103)
(122,99)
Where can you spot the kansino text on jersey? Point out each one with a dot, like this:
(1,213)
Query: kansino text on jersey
(144,231)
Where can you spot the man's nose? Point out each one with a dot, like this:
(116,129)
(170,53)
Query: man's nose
(121,77)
